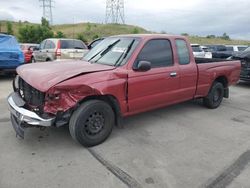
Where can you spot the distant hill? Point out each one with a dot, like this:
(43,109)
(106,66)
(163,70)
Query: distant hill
(95,30)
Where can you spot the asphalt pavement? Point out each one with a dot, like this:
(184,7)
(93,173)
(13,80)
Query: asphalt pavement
(182,146)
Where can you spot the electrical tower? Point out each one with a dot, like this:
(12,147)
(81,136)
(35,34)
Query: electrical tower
(47,10)
(115,11)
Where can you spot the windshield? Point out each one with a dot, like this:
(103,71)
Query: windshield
(247,50)
(196,49)
(240,48)
(113,51)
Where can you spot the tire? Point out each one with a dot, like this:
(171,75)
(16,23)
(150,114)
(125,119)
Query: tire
(215,96)
(92,123)
(33,60)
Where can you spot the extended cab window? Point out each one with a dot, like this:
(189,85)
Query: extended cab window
(158,52)
(182,51)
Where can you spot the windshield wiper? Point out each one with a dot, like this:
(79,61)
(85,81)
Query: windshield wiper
(102,53)
(124,54)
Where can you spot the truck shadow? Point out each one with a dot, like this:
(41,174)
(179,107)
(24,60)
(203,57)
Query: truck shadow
(52,136)
(243,84)
(141,121)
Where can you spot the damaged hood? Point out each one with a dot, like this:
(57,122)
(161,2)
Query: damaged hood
(43,76)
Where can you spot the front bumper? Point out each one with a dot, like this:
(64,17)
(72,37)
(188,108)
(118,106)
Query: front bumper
(21,116)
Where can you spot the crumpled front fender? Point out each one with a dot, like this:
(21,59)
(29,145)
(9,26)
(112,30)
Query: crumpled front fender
(61,99)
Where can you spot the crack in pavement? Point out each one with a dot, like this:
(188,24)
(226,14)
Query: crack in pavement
(229,174)
(123,176)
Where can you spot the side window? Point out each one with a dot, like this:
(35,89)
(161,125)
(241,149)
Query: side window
(42,45)
(49,45)
(182,51)
(158,52)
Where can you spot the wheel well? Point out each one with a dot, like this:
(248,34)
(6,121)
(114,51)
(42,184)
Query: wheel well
(111,100)
(223,80)
(48,59)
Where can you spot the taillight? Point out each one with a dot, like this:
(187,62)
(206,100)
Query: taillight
(58,49)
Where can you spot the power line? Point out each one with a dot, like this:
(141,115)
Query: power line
(115,11)
(47,10)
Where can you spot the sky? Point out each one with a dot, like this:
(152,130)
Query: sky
(195,17)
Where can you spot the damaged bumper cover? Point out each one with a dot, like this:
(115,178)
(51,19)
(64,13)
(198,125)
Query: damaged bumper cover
(21,116)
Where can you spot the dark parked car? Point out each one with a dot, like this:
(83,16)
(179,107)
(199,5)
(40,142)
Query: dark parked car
(244,57)
(219,51)
(11,55)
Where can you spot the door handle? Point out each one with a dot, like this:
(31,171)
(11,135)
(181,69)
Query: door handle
(173,74)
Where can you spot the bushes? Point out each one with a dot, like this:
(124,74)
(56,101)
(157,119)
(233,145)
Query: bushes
(35,34)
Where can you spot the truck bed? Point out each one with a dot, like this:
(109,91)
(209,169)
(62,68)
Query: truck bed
(211,60)
(210,69)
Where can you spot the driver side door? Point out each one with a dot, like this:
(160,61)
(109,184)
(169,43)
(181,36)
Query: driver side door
(158,86)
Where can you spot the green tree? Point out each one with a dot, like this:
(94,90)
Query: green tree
(95,37)
(45,22)
(211,36)
(35,34)
(59,34)
(81,37)
(225,36)
(185,34)
(9,28)
(135,31)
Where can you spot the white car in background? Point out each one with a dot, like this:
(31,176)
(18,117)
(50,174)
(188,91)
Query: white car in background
(208,53)
(198,51)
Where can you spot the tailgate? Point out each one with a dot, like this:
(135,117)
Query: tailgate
(73,53)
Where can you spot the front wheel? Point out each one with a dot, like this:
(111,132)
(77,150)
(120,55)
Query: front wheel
(215,96)
(92,123)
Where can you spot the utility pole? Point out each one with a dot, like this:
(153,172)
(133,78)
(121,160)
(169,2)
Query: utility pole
(115,11)
(47,10)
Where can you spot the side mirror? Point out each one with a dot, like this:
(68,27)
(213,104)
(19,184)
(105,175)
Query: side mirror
(143,66)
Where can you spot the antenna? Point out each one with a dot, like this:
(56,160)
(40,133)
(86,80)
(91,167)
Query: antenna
(115,11)
(47,10)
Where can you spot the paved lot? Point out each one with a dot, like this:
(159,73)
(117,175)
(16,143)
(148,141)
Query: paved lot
(183,146)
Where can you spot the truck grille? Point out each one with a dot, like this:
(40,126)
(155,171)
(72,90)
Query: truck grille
(30,95)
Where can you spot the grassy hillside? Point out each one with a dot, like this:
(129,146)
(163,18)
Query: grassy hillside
(94,30)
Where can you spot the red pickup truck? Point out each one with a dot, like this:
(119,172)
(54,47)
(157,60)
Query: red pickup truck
(121,76)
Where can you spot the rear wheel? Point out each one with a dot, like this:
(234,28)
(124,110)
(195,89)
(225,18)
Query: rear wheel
(92,123)
(215,96)
(33,60)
